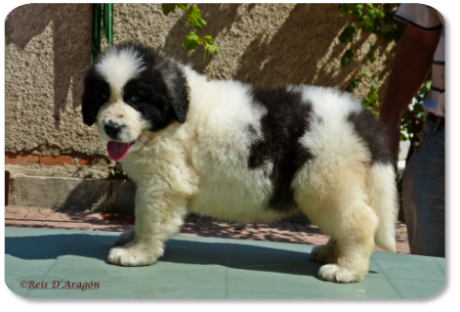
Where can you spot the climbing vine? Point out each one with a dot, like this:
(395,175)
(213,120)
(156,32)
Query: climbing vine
(193,41)
(379,20)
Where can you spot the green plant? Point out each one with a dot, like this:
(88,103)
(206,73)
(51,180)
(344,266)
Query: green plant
(193,41)
(379,20)
(117,173)
(369,18)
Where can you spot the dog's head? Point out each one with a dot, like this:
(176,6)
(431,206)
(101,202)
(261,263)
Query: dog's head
(130,89)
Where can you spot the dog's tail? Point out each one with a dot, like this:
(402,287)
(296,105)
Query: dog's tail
(383,199)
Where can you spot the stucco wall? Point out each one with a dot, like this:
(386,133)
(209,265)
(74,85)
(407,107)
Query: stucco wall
(48,51)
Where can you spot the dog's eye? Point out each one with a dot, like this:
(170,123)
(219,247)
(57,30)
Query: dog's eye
(104,96)
(134,98)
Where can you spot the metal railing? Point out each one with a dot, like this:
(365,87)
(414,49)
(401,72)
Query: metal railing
(102,27)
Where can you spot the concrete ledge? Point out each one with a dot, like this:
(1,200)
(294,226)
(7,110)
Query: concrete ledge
(63,194)
(72,194)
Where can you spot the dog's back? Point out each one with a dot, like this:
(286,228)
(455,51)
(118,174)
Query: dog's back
(266,154)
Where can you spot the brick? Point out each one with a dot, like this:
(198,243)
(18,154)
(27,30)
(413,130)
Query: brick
(31,214)
(56,161)
(23,223)
(56,216)
(17,159)
(87,161)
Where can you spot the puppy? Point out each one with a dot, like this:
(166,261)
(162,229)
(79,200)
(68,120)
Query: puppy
(227,150)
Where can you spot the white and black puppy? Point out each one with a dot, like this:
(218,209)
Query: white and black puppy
(227,150)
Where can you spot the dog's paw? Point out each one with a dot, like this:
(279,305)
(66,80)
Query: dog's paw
(125,238)
(324,254)
(131,256)
(338,274)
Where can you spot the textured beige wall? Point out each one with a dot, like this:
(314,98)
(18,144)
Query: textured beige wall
(48,48)
(269,45)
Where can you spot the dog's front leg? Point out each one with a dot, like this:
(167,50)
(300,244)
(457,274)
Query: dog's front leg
(158,217)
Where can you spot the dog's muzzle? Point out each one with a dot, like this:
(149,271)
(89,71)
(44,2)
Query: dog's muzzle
(112,130)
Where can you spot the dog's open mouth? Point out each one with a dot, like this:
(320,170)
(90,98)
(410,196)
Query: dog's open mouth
(118,150)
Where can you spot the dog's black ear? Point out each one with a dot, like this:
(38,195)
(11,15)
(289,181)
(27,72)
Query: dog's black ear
(96,91)
(178,94)
(86,101)
(88,117)
(179,103)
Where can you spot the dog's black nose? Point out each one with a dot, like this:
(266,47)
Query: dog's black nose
(112,130)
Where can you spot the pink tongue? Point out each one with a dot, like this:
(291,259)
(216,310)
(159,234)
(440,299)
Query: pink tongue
(117,150)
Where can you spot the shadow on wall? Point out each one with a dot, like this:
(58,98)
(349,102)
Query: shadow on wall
(100,196)
(72,53)
(304,50)
(301,52)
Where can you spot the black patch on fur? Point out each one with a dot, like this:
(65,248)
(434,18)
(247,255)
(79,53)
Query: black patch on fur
(252,131)
(160,93)
(373,134)
(96,93)
(287,119)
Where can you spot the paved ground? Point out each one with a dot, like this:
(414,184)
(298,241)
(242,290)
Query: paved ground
(57,263)
(289,232)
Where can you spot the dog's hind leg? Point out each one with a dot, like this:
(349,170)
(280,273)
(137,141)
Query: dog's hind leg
(325,253)
(353,231)
(344,214)
(352,227)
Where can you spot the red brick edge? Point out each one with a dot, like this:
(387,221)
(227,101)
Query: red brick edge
(24,159)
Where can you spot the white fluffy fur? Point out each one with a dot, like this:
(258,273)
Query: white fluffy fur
(201,166)
(119,66)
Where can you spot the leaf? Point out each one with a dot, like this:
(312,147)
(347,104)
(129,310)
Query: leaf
(372,14)
(194,17)
(379,12)
(402,137)
(209,44)
(428,85)
(352,86)
(373,100)
(371,55)
(168,8)
(379,30)
(357,11)
(374,83)
(191,42)
(348,34)
(343,7)
(207,39)
(347,57)
(183,6)
(367,24)
(211,48)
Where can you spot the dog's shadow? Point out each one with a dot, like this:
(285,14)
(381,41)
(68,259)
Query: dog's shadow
(238,255)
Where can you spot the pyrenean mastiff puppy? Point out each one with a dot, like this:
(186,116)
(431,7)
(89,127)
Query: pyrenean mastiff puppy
(234,152)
